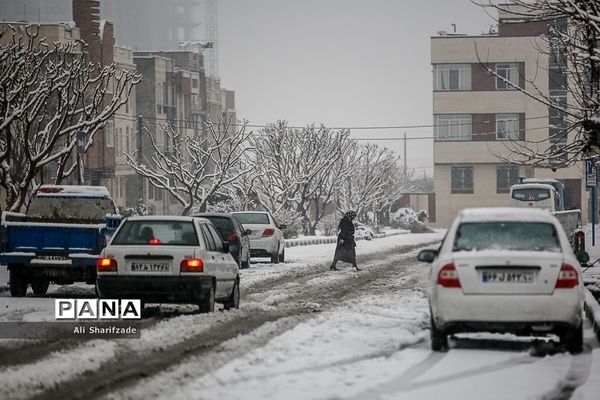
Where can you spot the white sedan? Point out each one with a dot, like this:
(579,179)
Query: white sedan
(266,239)
(169,260)
(505,270)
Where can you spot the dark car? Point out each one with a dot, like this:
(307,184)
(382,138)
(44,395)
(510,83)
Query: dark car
(232,232)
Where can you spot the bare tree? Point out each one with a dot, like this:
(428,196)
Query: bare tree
(193,168)
(573,47)
(299,169)
(48,93)
(375,182)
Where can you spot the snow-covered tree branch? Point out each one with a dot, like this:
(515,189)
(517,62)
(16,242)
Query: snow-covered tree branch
(571,42)
(48,93)
(193,168)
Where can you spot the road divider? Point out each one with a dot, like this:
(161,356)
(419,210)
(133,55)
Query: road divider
(310,240)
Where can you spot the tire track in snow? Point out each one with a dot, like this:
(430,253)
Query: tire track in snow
(577,375)
(125,371)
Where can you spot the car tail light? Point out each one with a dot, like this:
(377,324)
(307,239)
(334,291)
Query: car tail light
(233,237)
(448,277)
(154,241)
(567,277)
(268,232)
(192,265)
(106,265)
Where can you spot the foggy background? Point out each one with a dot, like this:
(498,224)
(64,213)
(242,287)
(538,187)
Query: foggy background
(343,63)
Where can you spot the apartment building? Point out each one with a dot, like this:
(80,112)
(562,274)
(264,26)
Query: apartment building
(480,119)
(126,187)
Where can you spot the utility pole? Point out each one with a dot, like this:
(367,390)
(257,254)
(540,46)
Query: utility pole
(140,150)
(405,164)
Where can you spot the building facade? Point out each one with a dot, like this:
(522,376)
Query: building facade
(480,119)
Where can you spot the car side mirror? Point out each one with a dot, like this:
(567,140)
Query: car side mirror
(225,247)
(427,255)
(247,231)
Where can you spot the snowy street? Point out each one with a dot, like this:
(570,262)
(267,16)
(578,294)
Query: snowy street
(302,332)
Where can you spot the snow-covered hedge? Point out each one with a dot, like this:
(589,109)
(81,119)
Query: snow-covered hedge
(407,218)
(308,240)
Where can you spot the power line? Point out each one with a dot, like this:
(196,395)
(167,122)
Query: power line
(372,127)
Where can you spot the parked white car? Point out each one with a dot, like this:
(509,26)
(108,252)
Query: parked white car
(169,259)
(363,231)
(266,238)
(505,270)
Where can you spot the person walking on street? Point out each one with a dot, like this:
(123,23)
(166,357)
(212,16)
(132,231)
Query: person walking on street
(345,249)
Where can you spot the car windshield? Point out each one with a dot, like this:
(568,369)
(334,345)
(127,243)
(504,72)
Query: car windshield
(253,218)
(529,236)
(177,233)
(69,209)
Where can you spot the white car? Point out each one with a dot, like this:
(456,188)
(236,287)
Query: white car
(266,239)
(505,270)
(363,231)
(169,259)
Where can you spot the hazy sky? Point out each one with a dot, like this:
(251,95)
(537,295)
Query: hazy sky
(340,62)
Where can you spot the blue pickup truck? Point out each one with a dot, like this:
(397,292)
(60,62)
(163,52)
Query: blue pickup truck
(58,238)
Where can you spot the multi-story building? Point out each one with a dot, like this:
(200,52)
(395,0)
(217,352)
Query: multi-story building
(126,186)
(155,104)
(480,119)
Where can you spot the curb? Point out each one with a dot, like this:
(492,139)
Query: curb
(592,310)
(331,239)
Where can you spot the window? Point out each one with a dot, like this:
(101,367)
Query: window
(216,238)
(109,134)
(506,176)
(454,127)
(179,233)
(506,235)
(452,76)
(210,242)
(507,126)
(461,180)
(507,73)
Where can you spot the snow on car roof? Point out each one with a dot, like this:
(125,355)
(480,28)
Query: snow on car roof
(505,214)
(533,186)
(162,218)
(250,212)
(73,190)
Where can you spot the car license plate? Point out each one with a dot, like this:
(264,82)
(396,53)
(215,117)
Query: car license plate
(149,267)
(507,276)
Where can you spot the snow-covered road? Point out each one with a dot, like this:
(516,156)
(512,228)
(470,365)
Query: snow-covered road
(302,332)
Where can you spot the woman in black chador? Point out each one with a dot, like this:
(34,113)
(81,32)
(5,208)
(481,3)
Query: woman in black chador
(345,245)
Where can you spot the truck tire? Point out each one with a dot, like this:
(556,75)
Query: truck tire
(40,286)
(18,283)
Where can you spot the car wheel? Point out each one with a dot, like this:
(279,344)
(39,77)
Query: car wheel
(275,256)
(439,338)
(282,255)
(208,304)
(18,283)
(573,339)
(40,286)
(234,299)
(246,264)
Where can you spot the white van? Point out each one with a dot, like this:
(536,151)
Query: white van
(536,195)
